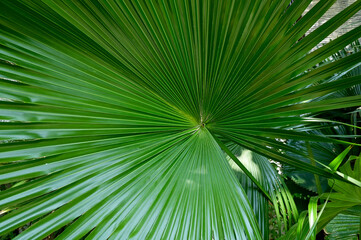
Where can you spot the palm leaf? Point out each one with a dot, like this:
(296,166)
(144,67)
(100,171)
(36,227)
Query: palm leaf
(343,227)
(277,191)
(343,126)
(109,108)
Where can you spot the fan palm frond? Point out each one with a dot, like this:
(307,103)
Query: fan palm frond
(109,110)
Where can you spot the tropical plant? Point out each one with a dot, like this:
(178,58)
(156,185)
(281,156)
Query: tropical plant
(305,228)
(344,226)
(340,212)
(276,190)
(346,198)
(344,124)
(117,116)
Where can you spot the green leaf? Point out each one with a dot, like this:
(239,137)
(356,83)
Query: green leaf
(343,227)
(338,160)
(279,196)
(108,110)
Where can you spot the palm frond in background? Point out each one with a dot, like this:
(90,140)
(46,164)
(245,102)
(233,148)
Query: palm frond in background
(344,125)
(279,194)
